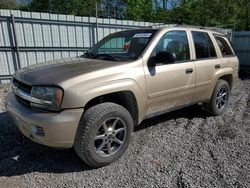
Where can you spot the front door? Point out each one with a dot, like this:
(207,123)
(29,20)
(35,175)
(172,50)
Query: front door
(171,85)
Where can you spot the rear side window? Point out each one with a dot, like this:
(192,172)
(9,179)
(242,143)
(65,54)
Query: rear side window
(203,44)
(224,46)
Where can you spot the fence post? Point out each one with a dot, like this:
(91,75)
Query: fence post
(92,34)
(16,47)
(96,15)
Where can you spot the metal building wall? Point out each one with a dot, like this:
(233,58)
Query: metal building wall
(38,37)
(241,43)
(28,38)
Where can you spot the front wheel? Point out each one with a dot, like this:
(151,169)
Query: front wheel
(220,98)
(103,134)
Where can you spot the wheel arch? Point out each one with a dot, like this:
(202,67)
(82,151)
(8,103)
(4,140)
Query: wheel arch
(228,78)
(124,89)
(124,98)
(224,74)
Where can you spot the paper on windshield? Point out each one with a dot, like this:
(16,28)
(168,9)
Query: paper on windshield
(142,35)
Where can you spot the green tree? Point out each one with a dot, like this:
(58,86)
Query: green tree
(220,13)
(74,7)
(112,8)
(243,15)
(139,10)
(8,4)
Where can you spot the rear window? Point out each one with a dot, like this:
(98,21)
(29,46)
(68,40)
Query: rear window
(203,44)
(224,46)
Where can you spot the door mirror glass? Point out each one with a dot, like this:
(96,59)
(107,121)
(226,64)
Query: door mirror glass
(164,57)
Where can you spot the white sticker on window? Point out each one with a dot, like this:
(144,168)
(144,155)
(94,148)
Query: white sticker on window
(142,35)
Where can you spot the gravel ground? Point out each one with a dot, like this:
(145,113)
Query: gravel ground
(4,88)
(181,149)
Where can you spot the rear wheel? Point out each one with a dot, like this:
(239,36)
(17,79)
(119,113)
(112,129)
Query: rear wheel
(220,98)
(103,134)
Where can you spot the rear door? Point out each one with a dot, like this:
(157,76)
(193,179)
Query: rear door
(206,64)
(228,56)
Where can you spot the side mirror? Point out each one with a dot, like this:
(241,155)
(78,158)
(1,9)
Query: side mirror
(163,57)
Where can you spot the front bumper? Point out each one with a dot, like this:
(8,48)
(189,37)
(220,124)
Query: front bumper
(47,128)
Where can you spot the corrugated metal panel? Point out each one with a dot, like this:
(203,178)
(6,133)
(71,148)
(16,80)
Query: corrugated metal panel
(241,42)
(44,36)
(5,56)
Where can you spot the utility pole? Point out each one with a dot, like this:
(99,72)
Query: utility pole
(114,16)
(164,6)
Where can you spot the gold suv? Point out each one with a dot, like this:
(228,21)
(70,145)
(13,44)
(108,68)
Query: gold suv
(93,102)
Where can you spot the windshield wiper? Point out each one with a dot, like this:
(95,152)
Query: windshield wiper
(88,55)
(97,56)
(109,56)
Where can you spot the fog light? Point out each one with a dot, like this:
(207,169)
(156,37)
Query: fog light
(37,130)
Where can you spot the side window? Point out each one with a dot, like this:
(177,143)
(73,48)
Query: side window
(224,46)
(203,44)
(175,42)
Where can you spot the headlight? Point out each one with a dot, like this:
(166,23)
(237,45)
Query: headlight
(47,97)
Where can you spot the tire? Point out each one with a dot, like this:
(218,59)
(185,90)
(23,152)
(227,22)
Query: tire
(95,134)
(221,90)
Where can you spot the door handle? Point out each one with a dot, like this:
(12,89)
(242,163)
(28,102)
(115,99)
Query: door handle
(189,71)
(217,66)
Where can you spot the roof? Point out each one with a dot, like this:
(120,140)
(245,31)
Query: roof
(211,29)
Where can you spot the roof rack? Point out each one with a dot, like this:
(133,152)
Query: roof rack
(227,32)
(161,25)
(185,25)
(217,29)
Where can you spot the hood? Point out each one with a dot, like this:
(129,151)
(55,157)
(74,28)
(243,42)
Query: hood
(54,72)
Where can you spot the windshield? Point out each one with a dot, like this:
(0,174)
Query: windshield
(121,46)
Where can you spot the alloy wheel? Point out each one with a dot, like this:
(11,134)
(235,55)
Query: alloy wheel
(110,137)
(221,98)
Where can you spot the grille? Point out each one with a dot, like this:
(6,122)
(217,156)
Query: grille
(23,101)
(23,87)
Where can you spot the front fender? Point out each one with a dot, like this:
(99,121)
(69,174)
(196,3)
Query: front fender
(85,94)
